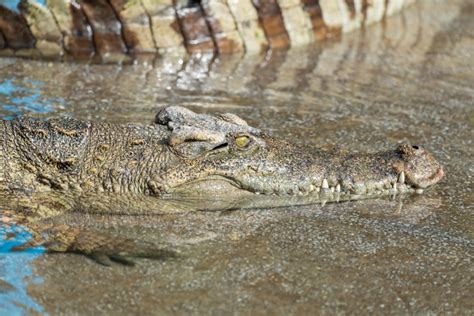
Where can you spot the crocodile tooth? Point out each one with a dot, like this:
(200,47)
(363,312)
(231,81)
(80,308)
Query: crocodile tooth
(323,202)
(318,189)
(311,188)
(325,184)
(401,177)
(338,188)
(419,191)
(395,186)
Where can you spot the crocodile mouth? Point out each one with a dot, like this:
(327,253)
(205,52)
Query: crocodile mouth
(219,185)
(218,192)
(328,190)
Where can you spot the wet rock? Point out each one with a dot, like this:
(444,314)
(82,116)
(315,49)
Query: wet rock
(15,31)
(107,29)
(136,25)
(76,31)
(273,25)
(246,20)
(373,11)
(352,14)
(395,6)
(253,36)
(376,10)
(230,42)
(164,24)
(222,25)
(195,29)
(2,41)
(332,16)
(43,27)
(313,9)
(218,15)
(297,22)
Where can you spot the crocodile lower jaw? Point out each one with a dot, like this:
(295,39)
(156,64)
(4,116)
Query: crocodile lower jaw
(324,191)
(333,193)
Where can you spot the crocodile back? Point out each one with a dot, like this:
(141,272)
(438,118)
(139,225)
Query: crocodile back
(60,142)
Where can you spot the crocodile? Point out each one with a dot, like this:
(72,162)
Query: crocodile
(184,161)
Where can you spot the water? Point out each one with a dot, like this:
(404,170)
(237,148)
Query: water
(410,79)
(16,272)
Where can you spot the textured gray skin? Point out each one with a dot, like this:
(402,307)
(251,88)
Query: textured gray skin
(184,161)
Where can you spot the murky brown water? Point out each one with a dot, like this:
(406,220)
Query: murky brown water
(410,79)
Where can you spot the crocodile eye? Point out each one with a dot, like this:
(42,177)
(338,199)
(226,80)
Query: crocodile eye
(242,141)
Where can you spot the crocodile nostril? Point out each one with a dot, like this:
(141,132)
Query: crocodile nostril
(415,147)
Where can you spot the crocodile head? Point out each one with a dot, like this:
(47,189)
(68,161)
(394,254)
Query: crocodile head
(224,154)
(420,168)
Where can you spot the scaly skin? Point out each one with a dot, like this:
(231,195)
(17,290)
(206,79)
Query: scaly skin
(185,161)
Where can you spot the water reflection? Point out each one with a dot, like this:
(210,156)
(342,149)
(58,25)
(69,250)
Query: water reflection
(16,273)
(23,96)
(17,97)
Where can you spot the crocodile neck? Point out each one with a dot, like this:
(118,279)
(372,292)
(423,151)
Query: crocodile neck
(124,159)
(78,158)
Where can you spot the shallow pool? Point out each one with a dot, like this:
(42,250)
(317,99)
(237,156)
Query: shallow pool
(409,79)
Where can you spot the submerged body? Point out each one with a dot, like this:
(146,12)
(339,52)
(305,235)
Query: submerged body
(184,161)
